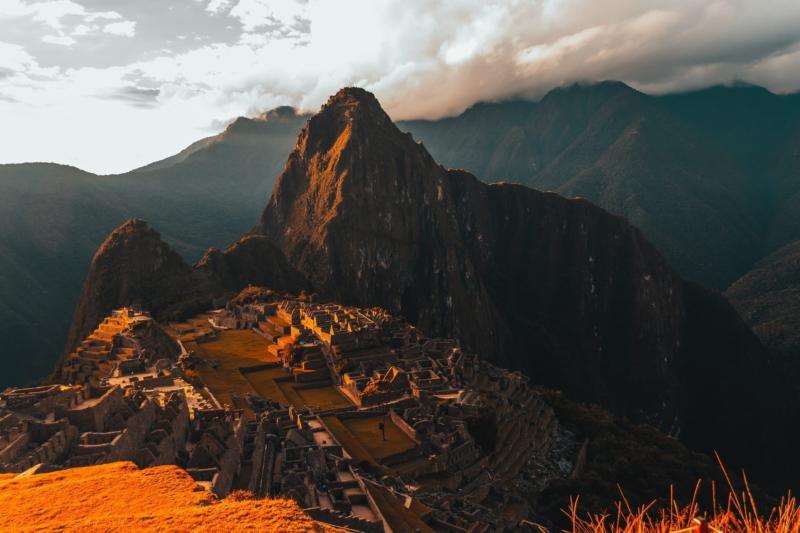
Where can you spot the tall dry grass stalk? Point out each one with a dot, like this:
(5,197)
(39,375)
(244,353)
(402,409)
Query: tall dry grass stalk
(738,513)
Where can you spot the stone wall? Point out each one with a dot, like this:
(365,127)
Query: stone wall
(403,426)
(230,461)
(60,440)
(93,418)
(18,441)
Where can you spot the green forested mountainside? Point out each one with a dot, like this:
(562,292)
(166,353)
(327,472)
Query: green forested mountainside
(768,298)
(712,177)
(53,218)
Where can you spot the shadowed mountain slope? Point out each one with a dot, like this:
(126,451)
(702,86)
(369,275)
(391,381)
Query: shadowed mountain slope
(558,288)
(722,159)
(768,298)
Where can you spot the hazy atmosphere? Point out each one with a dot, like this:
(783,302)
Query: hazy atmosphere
(108,85)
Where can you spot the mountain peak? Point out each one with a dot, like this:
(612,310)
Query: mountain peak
(351,117)
(128,265)
(597,91)
(133,225)
(355,106)
(353,96)
(134,229)
(282,113)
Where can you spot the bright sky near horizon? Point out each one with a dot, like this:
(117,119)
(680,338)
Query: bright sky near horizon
(109,85)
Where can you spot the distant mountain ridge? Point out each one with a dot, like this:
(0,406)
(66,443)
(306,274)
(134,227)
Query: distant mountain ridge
(724,160)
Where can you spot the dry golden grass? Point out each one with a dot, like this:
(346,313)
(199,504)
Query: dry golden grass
(737,512)
(238,344)
(120,497)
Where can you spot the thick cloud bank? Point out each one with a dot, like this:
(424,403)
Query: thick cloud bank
(110,84)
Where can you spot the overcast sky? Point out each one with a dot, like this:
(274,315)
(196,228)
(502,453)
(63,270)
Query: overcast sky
(108,85)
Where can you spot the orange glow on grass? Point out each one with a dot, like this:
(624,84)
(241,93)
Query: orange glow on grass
(121,497)
(738,513)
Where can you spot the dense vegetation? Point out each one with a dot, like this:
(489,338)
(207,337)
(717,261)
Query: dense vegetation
(768,298)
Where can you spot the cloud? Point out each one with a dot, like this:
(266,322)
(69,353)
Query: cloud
(61,40)
(126,28)
(136,96)
(253,14)
(53,12)
(219,6)
(421,58)
(64,20)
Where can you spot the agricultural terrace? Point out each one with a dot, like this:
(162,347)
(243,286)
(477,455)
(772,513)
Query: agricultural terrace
(232,349)
(277,384)
(324,398)
(363,439)
(187,330)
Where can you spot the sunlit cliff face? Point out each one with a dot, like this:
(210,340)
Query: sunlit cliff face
(111,85)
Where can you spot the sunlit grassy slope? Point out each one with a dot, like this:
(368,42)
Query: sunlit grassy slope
(120,497)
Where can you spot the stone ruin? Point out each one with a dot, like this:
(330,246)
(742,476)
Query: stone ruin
(475,428)
(128,400)
(479,436)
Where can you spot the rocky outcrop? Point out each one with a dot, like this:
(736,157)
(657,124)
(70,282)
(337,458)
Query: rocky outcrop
(132,266)
(135,267)
(253,260)
(571,295)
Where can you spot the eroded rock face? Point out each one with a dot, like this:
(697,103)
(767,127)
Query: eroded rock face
(571,295)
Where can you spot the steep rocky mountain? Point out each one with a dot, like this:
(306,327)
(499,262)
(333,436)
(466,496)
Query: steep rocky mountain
(768,298)
(571,295)
(561,289)
(54,217)
(134,266)
(724,159)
